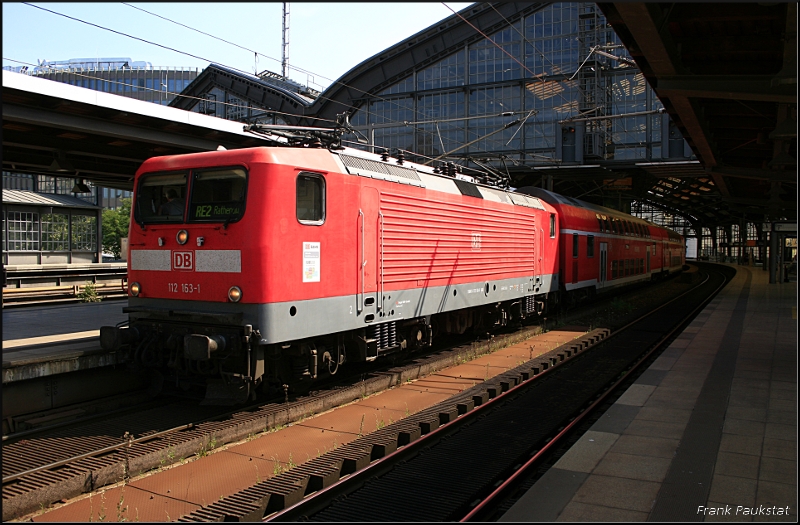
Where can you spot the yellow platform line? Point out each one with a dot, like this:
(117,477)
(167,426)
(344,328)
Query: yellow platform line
(16,343)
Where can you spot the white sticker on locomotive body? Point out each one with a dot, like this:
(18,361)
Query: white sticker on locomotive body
(311,262)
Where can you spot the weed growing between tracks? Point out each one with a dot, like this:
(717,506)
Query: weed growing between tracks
(122,508)
(169,457)
(278,469)
(89,293)
(207,447)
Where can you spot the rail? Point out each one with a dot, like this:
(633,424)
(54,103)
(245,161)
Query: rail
(481,508)
(36,284)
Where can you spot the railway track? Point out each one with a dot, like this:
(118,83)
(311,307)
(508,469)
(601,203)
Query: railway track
(70,465)
(41,296)
(464,471)
(38,286)
(40,467)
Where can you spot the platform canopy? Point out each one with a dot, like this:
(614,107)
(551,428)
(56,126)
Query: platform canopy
(58,129)
(727,75)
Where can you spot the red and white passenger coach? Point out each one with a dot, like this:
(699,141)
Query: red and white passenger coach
(603,249)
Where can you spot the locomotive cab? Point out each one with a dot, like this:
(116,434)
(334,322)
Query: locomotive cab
(181,264)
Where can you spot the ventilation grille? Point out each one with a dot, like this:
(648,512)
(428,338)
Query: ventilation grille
(358,165)
(525,200)
(467,188)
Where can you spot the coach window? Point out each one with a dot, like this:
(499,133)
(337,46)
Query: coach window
(614,270)
(574,244)
(310,199)
(590,246)
(552,225)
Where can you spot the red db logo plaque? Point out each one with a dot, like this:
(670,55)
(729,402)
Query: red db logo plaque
(182,261)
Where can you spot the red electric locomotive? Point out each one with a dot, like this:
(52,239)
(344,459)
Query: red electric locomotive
(603,249)
(273,265)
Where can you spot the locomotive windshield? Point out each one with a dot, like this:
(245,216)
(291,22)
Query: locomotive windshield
(218,195)
(161,197)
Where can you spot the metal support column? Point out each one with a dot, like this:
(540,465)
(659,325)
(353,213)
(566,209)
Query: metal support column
(774,257)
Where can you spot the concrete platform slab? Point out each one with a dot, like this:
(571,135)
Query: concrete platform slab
(754,461)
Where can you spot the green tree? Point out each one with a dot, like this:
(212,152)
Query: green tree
(115,227)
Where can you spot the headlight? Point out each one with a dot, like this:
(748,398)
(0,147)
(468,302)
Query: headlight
(135,289)
(234,294)
(182,237)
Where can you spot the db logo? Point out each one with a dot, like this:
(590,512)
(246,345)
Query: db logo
(182,261)
(476,241)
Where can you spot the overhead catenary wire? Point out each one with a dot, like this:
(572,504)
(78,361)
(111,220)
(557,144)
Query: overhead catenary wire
(301,70)
(594,49)
(466,130)
(532,74)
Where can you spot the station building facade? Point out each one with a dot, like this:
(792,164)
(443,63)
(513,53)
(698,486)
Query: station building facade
(121,76)
(50,219)
(563,102)
(44,222)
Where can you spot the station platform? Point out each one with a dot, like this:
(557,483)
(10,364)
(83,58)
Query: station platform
(707,433)
(29,335)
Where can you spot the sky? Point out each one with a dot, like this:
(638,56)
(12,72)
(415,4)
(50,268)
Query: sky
(326,40)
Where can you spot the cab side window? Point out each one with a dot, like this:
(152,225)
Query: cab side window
(310,198)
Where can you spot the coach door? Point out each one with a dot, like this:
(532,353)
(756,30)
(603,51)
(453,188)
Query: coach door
(368,261)
(603,263)
(647,258)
